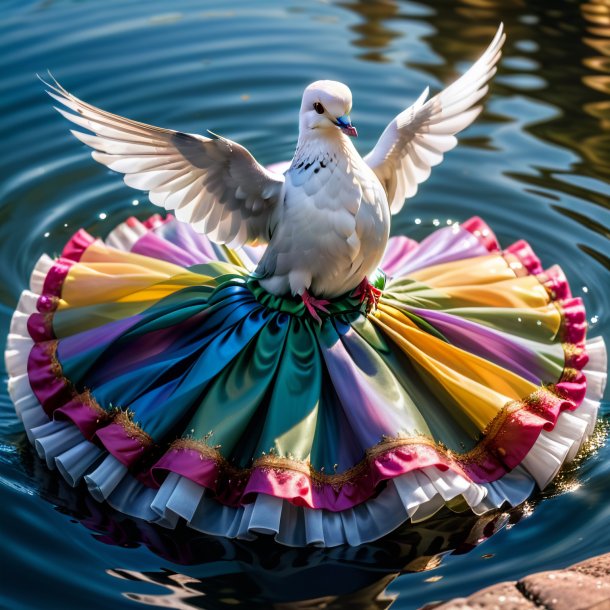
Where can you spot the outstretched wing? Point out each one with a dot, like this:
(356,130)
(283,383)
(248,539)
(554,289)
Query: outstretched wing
(417,138)
(214,184)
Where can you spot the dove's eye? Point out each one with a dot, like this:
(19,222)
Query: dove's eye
(318,108)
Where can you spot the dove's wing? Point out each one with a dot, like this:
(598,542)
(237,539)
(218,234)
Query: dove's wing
(214,184)
(417,138)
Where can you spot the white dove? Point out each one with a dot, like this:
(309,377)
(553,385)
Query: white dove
(326,220)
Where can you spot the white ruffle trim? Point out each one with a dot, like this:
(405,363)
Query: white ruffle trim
(125,235)
(18,347)
(39,274)
(414,496)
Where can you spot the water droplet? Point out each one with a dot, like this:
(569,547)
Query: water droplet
(529,19)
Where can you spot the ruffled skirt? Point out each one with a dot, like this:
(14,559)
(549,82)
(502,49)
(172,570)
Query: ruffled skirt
(155,368)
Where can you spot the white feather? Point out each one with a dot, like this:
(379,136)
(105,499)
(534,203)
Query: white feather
(427,129)
(166,163)
(327,219)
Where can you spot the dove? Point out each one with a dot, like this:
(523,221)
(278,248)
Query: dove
(326,220)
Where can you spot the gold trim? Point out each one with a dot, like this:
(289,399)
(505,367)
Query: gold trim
(279,463)
(569,374)
(123,418)
(188,443)
(55,301)
(133,429)
(47,321)
(492,434)
(87,399)
(571,350)
(50,349)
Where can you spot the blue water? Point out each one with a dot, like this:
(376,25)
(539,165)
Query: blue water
(536,165)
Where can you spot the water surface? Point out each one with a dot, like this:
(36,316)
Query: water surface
(536,165)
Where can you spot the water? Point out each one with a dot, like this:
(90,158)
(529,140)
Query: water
(535,165)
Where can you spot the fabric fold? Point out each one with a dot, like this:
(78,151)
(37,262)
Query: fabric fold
(157,370)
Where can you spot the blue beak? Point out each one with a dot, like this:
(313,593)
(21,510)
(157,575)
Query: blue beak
(345,124)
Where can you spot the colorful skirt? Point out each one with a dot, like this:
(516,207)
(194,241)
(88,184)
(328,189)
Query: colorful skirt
(155,368)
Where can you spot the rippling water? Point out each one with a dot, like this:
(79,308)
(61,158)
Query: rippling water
(536,165)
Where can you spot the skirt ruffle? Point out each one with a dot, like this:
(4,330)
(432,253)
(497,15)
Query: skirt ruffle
(154,367)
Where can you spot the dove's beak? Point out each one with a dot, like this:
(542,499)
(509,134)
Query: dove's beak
(345,125)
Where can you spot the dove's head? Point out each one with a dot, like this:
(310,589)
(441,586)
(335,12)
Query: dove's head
(326,106)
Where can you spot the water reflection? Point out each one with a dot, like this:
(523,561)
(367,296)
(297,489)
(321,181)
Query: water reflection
(535,48)
(373,33)
(597,38)
(265,575)
(220,573)
(188,593)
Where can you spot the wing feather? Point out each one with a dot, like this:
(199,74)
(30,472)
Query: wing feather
(416,140)
(212,183)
